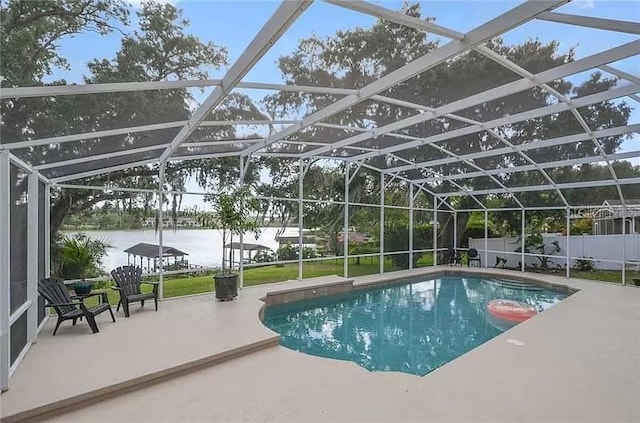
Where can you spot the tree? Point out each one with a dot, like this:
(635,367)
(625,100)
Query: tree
(30,31)
(354,58)
(234,212)
(161,49)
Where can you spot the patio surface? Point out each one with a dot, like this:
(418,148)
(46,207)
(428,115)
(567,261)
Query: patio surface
(580,362)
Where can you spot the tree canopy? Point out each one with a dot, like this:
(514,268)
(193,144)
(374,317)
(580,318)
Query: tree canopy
(162,47)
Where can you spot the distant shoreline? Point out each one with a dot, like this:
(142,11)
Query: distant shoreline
(95,229)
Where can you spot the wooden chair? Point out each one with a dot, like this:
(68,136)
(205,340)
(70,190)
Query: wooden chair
(57,296)
(128,280)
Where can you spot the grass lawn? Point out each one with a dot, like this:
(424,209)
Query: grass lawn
(612,276)
(177,287)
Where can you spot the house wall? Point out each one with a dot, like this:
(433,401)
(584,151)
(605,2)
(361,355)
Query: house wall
(611,226)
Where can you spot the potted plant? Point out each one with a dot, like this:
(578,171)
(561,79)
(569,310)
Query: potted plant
(80,257)
(234,213)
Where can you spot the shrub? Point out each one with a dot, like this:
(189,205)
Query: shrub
(585,264)
(80,257)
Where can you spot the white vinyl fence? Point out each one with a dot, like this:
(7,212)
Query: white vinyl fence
(607,251)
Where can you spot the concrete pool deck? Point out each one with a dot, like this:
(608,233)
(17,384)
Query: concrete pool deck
(580,362)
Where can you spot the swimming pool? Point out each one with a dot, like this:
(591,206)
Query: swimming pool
(411,326)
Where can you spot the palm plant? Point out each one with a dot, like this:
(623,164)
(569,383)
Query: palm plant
(80,257)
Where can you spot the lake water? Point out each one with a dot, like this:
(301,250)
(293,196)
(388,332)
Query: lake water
(204,246)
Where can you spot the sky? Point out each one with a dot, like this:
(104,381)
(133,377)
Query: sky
(234,23)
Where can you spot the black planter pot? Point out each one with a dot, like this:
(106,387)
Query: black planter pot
(82,287)
(226,286)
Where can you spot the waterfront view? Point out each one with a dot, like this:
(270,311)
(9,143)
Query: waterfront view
(204,246)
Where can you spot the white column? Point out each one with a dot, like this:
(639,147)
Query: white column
(160,225)
(32,253)
(455,230)
(47,237)
(300,218)
(47,231)
(5,264)
(345,237)
(568,239)
(624,248)
(381,222)
(523,216)
(410,226)
(486,238)
(241,261)
(435,230)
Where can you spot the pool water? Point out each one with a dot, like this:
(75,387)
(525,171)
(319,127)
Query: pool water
(412,327)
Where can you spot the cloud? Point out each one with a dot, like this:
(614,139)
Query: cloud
(586,4)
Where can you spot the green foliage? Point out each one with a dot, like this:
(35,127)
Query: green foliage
(396,238)
(110,220)
(356,57)
(582,226)
(234,212)
(290,252)
(30,31)
(287,252)
(585,264)
(161,49)
(80,257)
(534,244)
(265,256)
(475,226)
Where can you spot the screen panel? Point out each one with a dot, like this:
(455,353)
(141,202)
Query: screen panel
(18,237)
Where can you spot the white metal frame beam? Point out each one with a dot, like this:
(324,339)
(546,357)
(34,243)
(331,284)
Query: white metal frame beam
(280,21)
(12,145)
(591,22)
(532,188)
(114,87)
(403,19)
(559,72)
(530,114)
(623,75)
(567,139)
(532,168)
(490,29)
(455,184)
